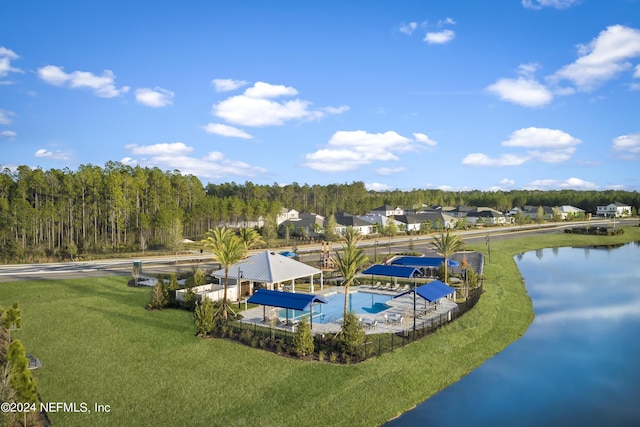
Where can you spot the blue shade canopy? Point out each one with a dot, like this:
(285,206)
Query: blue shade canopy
(391,271)
(432,291)
(288,254)
(423,261)
(295,301)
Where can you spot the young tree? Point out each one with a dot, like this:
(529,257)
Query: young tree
(204,317)
(159,295)
(172,287)
(352,333)
(446,245)
(228,249)
(303,339)
(12,318)
(7,394)
(330,232)
(21,381)
(349,261)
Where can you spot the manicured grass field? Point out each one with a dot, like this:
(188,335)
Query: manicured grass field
(98,344)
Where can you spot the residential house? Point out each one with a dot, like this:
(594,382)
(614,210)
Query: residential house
(387,211)
(286,214)
(567,212)
(435,220)
(345,220)
(486,216)
(307,224)
(614,209)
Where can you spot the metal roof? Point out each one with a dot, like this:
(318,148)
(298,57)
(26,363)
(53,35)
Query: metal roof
(295,301)
(391,271)
(422,261)
(432,291)
(268,267)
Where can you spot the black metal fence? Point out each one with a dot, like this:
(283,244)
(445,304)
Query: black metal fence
(327,347)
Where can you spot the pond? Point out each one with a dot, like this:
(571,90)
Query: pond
(577,364)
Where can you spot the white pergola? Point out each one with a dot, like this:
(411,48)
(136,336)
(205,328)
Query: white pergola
(271,269)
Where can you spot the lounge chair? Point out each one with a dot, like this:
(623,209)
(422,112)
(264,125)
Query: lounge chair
(387,286)
(376,286)
(404,288)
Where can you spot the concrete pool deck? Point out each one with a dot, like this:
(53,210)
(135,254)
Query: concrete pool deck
(400,308)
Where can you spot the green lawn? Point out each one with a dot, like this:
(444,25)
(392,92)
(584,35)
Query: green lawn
(98,344)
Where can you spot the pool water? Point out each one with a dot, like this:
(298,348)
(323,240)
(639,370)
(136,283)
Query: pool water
(359,302)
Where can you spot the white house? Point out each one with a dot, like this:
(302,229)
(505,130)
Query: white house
(567,211)
(387,211)
(287,214)
(614,209)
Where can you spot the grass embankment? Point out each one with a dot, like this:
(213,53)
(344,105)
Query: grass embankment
(99,345)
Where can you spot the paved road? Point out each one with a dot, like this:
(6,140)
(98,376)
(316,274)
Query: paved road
(185,262)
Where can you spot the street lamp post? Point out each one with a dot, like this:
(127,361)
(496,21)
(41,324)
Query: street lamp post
(375,252)
(488,242)
(414,308)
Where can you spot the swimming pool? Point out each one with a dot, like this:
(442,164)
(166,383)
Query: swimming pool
(359,302)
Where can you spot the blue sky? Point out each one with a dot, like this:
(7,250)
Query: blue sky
(457,95)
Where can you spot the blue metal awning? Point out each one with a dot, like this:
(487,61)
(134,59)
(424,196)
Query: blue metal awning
(391,271)
(295,301)
(432,291)
(422,261)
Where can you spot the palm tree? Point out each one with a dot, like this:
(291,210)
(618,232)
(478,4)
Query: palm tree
(228,249)
(250,238)
(446,245)
(349,262)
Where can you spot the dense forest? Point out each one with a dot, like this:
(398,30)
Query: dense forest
(56,213)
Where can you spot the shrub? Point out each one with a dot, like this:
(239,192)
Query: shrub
(352,334)
(204,317)
(333,357)
(303,340)
(321,355)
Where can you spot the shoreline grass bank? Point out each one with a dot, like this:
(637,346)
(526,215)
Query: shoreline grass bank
(99,345)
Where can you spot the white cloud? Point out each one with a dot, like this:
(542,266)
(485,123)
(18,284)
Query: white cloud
(548,146)
(54,155)
(533,137)
(6,56)
(348,150)
(227,85)
(5,117)
(102,86)
(523,91)
(636,73)
(508,181)
(628,146)
(8,134)
(336,110)
(226,130)
(421,137)
(171,148)
(390,171)
(174,156)
(408,28)
(480,159)
(155,98)
(440,37)
(267,90)
(605,57)
(571,183)
(255,107)
(558,4)
(376,186)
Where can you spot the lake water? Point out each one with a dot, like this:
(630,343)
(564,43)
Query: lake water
(578,364)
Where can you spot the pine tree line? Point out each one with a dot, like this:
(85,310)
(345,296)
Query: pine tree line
(57,213)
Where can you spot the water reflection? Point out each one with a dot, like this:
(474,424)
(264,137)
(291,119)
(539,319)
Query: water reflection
(577,363)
